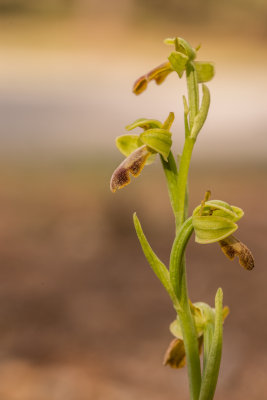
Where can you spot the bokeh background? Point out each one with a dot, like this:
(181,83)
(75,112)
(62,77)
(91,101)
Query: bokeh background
(81,314)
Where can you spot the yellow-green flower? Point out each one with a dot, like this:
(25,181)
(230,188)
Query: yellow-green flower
(141,149)
(178,61)
(215,221)
(203,316)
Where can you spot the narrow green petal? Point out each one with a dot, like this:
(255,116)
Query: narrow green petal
(168,122)
(176,329)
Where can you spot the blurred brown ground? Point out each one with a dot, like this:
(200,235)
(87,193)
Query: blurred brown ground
(81,315)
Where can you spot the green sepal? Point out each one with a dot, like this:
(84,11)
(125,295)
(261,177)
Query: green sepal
(178,62)
(176,329)
(144,123)
(205,71)
(158,140)
(201,116)
(129,143)
(210,229)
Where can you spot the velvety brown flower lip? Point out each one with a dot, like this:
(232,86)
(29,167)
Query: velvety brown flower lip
(133,164)
(158,74)
(175,354)
(140,84)
(232,247)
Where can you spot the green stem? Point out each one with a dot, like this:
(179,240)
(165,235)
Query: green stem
(182,179)
(178,281)
(177,271)
(191,350)
(210,376)
(183,233)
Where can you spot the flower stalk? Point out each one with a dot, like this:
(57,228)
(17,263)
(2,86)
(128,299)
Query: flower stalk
(196,325)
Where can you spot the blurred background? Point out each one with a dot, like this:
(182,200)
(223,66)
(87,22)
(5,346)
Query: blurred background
(81,315)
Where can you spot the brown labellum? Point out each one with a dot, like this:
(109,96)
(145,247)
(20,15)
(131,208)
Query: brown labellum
(158,74)
(140,84)
(232,247)
(133,164)
(175,354)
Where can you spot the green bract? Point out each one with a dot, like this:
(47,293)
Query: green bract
(214,221)
(178,62)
